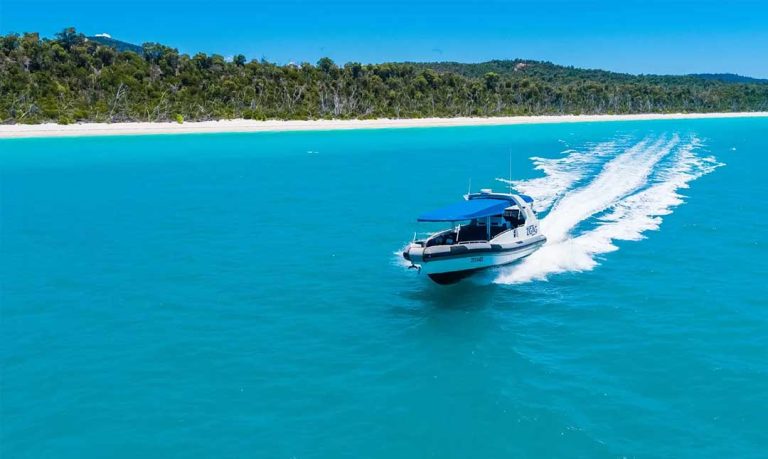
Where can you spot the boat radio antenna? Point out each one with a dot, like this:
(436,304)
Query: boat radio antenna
(510,172)
(469,187)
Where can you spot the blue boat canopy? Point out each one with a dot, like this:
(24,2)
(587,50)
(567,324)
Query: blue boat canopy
(468,210)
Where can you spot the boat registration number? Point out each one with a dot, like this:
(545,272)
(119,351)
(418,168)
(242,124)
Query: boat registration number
(531,230)
(476,259)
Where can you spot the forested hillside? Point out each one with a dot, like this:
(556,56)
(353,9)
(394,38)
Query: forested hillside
(520,68)
(729,78)
(116,44)
(70,78)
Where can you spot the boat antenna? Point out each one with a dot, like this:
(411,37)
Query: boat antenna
(469,187)
(510,172)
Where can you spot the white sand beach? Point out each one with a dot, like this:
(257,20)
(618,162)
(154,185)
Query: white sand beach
(141,128)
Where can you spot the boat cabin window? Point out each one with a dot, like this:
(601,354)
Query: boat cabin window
(514,217)
(495,221)
(448,238)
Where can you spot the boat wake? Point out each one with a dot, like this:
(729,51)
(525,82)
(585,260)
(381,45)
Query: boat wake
(613,191)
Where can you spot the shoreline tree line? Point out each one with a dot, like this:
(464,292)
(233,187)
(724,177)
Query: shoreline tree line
(72,78)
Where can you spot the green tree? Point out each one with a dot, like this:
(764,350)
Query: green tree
(69,37)
(326,65)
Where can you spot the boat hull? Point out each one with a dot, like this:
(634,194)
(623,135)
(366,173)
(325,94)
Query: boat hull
(451,266)
(453,277)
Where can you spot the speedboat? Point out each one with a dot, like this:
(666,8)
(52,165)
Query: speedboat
(487,229)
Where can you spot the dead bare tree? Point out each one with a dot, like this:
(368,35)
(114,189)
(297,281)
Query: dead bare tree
(119,95)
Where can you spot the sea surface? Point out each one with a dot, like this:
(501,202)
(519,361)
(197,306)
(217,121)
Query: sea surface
(241,295)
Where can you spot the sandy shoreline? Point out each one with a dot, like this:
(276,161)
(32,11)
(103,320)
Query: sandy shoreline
(100,129)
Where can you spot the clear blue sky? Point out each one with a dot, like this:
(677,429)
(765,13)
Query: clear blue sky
(633,36)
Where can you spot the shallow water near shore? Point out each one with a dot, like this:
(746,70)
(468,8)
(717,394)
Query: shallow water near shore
(240,295)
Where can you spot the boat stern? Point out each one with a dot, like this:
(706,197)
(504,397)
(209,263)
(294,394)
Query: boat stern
(414,253)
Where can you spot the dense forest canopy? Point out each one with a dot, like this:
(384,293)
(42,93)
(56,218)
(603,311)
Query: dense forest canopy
(72,78)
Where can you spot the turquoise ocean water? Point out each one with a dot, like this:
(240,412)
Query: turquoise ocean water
(239,295)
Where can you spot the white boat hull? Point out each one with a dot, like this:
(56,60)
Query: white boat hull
(448,268)
(503,228)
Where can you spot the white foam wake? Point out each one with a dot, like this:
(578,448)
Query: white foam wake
(626,198)
(560,174)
